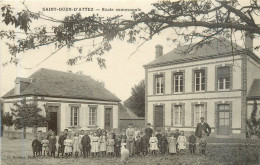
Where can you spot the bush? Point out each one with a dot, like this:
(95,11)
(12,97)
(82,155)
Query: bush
(253,124)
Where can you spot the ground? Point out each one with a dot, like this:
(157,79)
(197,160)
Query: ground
(17,151)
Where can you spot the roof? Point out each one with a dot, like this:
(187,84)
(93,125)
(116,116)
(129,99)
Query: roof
(254,92)
(126,113)
(52,83)
(214,48)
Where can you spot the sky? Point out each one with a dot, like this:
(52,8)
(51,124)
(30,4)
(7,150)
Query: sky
(123,69)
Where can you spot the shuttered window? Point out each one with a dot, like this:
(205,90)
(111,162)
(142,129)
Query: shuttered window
(178,114)
(92,116)
(200,80)
(223,78)
(178,82)
(74,116)
(159,82)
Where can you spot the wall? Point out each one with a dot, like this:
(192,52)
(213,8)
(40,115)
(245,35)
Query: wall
(253,70)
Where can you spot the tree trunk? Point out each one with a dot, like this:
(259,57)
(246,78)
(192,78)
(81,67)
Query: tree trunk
(34,130)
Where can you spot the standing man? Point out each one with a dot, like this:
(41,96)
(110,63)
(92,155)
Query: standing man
(130,133)
(62,137)
(202,126)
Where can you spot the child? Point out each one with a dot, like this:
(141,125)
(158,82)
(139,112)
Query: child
(159,136)
(153,144)
(85,141)
(163,143)
(110,145)
(138,145)
(192,143)
(45,146)
(62,137)
(95,145)
(123,136)
(117,145)
(68,146)
(103,144)
(172,144)
(35,146)
(144,144)
(203,143)
(76,143)
(52,144)
(40,138)
(181,141)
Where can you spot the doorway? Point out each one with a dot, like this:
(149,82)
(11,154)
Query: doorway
(53,122)
(158,117)
(224,119)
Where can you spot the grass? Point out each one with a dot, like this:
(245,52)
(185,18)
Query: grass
(17,152)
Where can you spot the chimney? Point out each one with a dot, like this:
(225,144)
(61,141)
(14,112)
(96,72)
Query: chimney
(21,84)
(249,41)
(158,51)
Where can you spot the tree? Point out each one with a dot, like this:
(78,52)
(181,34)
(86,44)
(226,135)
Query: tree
(189,20)
(136,102)
(253,123)
(27,115)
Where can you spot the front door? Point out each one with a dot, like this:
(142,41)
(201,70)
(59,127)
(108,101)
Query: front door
(223,119)
(158,117)
(52,124)
(108,118)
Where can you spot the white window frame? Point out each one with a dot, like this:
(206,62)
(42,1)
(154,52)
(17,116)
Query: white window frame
(200,109)
(179,75)
(200,80)
(74,109)
(161,87)
(178,109)
(224,84)
(92,122)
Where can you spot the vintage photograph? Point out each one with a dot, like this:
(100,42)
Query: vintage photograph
(109,82)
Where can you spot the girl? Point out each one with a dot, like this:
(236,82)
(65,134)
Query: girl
(153,144)
(45,146)
(181,141)
(68,146)
(76,143)
(117,145)
(103,144)
(52,144)
(203,143)
(95,145)
(172,144)
(110,145)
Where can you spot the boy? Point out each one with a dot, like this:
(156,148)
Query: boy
(85,142)
(117,145)
(144,144)
(35,146)
(61,144)
(138,145)
(159,136)
(163,143)
(192,143)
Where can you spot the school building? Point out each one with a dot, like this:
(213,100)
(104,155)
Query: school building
(214,81)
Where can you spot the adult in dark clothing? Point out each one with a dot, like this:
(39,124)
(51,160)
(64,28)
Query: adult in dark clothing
(163,143)
(85,142)
(138,145)
(192,143)
(35,146)
(144,145)
(113,134)
(148,131)
(61,139)
(202,126)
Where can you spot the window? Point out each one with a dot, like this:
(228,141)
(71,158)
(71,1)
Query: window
(178,114)
(200,80)
(224,114)
(74,116)
(178,82)
(159,81)
(223,78)
(92,115)
(199,112)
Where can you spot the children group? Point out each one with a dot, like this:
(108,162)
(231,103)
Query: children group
(108,143)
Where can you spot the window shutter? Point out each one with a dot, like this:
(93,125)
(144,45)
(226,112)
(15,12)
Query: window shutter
(183,114)
(205,113)
(192,114)
(86,113)
(67,116)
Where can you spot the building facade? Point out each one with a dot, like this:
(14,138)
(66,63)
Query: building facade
(211,82)
(74,101)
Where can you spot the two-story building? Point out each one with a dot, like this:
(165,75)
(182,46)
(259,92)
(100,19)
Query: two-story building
(74,101)
(212,81)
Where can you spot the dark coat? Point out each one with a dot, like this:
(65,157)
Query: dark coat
(144,143)
(52,143)
(201,127)
(192,139)
(138,146)
(85,141)
(61,139)
(148,132)
(163,144)
(35,144)
(117,145)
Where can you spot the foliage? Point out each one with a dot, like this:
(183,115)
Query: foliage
(136,102)
(7,119)
(27,115)
(253,123)
(188,19)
